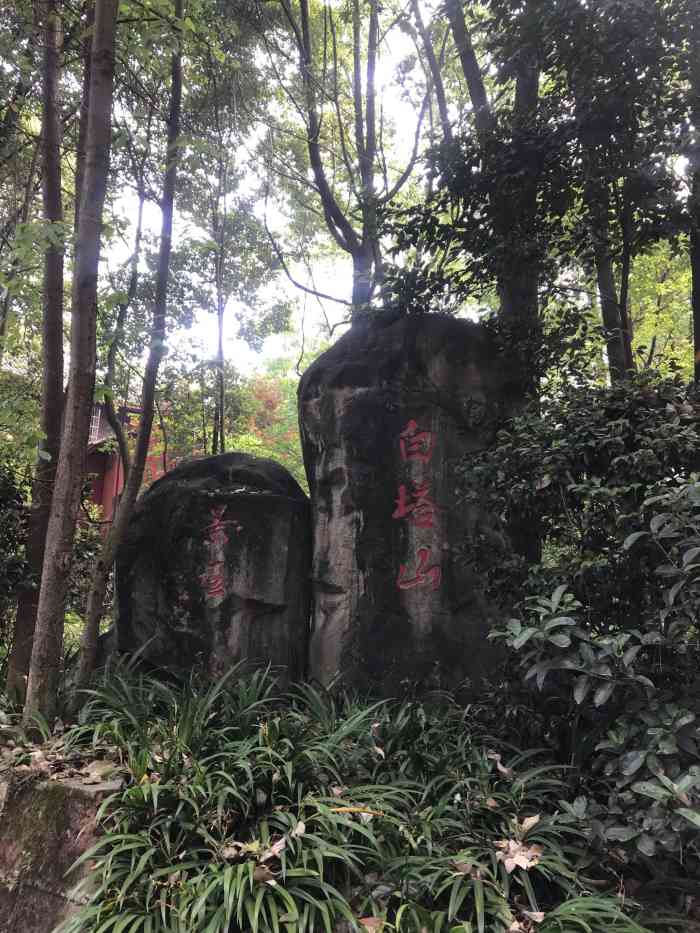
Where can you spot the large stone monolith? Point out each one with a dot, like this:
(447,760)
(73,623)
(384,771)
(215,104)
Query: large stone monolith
(386,414)
(215,568)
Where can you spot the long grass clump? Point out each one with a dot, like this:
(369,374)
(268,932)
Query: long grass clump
(248,811)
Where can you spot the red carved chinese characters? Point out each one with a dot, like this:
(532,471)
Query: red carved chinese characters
(415,506)
(213,578)
(424,576)
(217,529)
(416,444)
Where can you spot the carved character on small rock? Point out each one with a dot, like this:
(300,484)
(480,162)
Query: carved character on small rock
(215,568)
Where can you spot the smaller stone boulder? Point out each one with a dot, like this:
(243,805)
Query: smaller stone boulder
(215,568)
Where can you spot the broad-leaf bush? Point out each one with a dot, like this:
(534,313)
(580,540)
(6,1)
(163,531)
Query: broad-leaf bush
(575,470)
(309,812)
(606,628)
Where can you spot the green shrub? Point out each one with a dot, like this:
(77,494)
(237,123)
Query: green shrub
(575,470)
(309,812)
(627,699)
(605,630)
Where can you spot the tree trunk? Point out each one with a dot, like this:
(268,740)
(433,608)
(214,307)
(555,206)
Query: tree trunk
(45,665)
(694,200)
(337,222)
(435,72)
(21,218)
(220,378)
(110,410)
(362,263)
(88,654)
(514,209)
(89,12)
(695,266)
(626,333)
(483,116)
(610,312)
(516,214)
(203,396)
(52,353)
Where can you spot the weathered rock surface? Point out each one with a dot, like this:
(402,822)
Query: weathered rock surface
(44,827)
(385,415)
(215,568)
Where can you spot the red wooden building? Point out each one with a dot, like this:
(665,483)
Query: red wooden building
(104,463)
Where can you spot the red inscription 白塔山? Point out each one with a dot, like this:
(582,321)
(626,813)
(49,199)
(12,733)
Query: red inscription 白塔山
(415,505)
(416,444)
(425,575)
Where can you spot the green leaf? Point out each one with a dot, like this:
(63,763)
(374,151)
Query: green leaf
(658,521)
(632,761)
(646,844)
(693,816)
(690,555)
(558,621)
(523,638)
(581,688)
(479,905)
(560,640)
(668,745)
(621,833)
(675,590)
(631,539)
(666,570)
(603,693)
(648,789)
(686,782)
(557,596)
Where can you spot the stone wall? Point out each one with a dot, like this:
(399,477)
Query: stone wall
(44,827)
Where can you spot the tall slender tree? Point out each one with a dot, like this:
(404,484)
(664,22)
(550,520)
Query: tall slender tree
(44,669)
(135,472)
(692,26)
(514,203)
(347,163)
(49,18)
(611,64)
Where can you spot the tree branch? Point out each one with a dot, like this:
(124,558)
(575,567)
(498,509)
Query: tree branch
(483,117)
(435,72)
(304,288)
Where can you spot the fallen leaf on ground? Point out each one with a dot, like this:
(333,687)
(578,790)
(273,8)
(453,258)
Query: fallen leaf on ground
(529,822)
(274,850)
(516,854)
(506,772)
(263,873)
